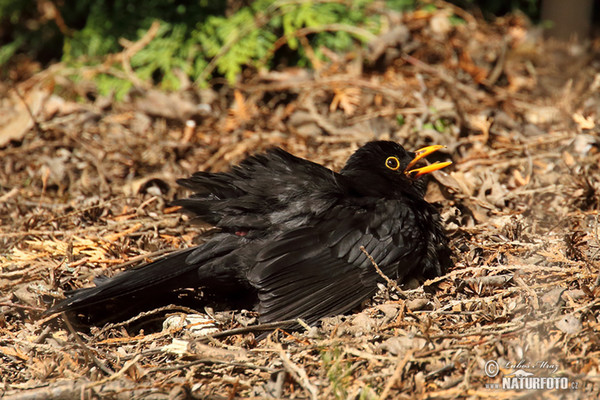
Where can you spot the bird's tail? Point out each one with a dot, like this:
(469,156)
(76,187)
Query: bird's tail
(134,290)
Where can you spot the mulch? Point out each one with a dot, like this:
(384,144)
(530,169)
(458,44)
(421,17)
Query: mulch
(85,188)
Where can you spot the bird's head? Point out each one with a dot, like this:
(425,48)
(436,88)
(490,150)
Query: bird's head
(385,168)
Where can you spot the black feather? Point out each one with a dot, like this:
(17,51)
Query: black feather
(290,239)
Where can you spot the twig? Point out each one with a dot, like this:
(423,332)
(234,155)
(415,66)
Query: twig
(279,382)
(494,280)
(11,193)
(118,374)
(42,336)
(390,282)
(254,328)
(389,91)
(212,361)
(473,94)
(445,368)
(56,390)
(59,217)
(156,253)
(131,49)
(303,32)
(22,306)
(87,229)
(36,124)
(235,331)
(145,314)
(499,67)
(299,374)
(397,375)
(86,349)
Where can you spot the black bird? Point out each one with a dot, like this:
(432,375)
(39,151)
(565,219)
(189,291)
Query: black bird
(289,238)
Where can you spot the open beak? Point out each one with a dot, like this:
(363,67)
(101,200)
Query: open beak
(422,153)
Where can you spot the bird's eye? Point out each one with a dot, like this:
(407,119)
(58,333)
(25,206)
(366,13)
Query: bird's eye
(392,163)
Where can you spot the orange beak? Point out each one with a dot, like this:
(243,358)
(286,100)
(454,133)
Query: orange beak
(422,153)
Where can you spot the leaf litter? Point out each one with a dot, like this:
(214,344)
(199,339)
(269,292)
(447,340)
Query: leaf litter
(86,189)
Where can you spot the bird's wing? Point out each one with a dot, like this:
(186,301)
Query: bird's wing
(320,270)
(260,192)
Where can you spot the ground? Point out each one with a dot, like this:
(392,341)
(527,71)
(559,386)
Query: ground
(85,188)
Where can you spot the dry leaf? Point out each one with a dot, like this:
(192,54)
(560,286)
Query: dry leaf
(239,113)
(583,122)
(13,352)
(16,112)
(569,324)
(347,99)
(115,236)
(519,179)
(568,159)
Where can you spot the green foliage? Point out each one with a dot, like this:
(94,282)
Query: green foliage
(456,20)
(195,37)
(339,371)
(9,50)
(106,22)
(440,125)
(248,37)
(233,42)
(401,5)
(109,84)
(169,51)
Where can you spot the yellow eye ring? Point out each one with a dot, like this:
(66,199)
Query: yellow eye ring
(392,163)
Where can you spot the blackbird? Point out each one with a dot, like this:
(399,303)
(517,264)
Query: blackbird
(291,238)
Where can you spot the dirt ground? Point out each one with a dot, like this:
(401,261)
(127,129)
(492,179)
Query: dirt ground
(85,188)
